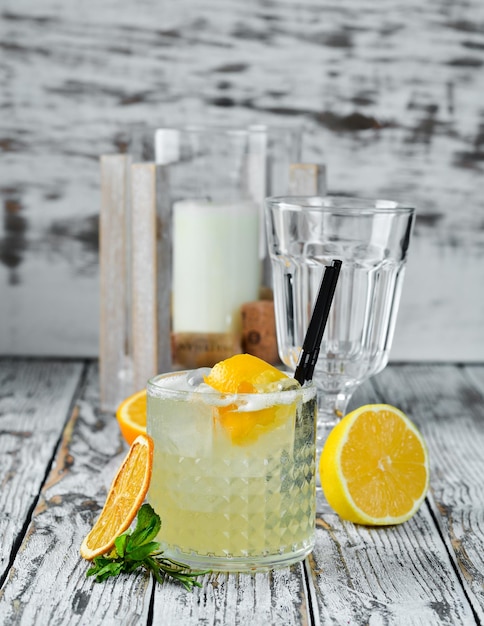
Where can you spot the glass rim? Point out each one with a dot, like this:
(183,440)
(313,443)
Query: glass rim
(228,129)
(307,391)
(341,204)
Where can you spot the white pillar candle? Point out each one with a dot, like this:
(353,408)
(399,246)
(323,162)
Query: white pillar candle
(216,265)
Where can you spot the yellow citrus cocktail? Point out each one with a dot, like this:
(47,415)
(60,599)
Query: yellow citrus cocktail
(233,472)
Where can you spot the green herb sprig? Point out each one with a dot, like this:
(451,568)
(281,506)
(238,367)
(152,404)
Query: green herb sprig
(137,548)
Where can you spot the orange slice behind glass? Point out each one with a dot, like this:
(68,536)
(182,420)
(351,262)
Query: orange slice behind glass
(131,416)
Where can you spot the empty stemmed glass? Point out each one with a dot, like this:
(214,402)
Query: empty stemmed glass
(370,238)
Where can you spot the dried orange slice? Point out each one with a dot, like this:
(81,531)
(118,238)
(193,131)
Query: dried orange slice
(131,416)
(125,497)
(374,466)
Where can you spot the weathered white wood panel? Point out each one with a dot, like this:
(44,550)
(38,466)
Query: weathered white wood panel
(401,574)
(36,399)
(449,408)
(150,273)
(389,95)
(48,561)
(115,367)
(48,564)
(278,597)
(398,575)
(426,571)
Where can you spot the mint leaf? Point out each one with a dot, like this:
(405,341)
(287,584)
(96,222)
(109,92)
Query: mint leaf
(120,544)
(141,552)
(135,549)
(148,525)
(103,568)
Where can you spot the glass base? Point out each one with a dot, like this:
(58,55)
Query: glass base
(248,565)
(326,423)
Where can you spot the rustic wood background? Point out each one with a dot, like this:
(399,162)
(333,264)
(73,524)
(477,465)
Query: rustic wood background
(390,96)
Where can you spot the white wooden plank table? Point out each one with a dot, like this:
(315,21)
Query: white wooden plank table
(59,452)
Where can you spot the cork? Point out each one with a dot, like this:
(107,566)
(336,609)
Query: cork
(259,330)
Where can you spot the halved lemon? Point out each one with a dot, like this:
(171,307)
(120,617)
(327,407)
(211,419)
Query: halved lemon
(126,495)
(374,466)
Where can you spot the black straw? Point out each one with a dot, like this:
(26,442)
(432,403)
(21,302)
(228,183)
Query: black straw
(290,307)
(312,340)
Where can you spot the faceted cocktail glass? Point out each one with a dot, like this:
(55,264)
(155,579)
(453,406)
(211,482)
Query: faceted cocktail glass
(233,474)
